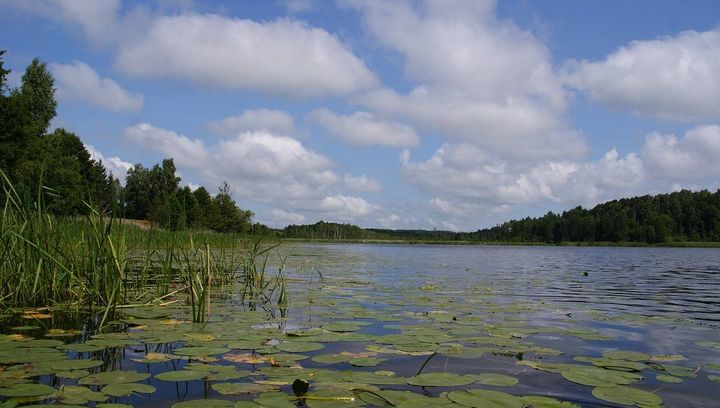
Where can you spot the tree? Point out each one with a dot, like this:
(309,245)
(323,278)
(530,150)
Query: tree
(3,74)
(38,91)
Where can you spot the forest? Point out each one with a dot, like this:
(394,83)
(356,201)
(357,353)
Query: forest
(683,216)
(55,167)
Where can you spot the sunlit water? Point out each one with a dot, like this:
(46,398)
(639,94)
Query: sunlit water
(659,301)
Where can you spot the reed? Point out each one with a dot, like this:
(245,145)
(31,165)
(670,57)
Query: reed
(98,262)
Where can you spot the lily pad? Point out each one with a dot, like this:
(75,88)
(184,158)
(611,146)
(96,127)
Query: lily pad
(626,355)
(485,399)
(599,377)
(204,403)
(75,364)
(113,377)
(500,380)
(201,351)
(299,347)
(440,380)
(27,390)
(627,396)
(365,361)
(181,375)
(120,390)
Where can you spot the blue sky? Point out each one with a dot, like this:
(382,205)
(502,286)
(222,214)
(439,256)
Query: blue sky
(444,114)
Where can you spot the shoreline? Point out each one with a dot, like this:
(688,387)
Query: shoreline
(673,244)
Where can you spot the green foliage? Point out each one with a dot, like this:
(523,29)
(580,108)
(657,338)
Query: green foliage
(38,90)
(678,217)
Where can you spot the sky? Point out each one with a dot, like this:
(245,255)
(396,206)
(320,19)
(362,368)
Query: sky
(446,114)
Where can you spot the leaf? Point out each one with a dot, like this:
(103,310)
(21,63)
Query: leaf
(440,380)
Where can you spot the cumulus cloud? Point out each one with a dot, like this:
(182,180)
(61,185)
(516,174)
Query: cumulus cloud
(365,129)
(263,167)
(283,57)
(674,78)
(347,207)
(117,167)
(479,79)
(693,157)
(275,121)
(97,19)
(469,183)
(280,218)
(79,82)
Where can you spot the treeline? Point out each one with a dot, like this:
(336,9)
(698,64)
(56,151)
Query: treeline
(57,169)
(680,216)
(31,157)
(683,216)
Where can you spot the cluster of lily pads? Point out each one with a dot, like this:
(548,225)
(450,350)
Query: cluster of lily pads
(345,343)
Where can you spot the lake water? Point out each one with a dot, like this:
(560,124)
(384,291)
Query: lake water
(562,322)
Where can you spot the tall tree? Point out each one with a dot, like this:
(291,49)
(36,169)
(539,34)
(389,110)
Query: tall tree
(39,93)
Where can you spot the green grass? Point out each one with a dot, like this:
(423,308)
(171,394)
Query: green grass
(97,262)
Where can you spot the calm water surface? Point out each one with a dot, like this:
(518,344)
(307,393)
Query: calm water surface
(509,305)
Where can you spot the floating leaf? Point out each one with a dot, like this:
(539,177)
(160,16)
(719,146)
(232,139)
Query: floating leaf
(440,380)
(113,377)
(500,380)
(75,364)
(120,390)
(599,377)
(626,355)
(485,399)
(627,396)
(27,390)
(181,375)
(201,351)
(668,378)
(204,403)
(299,347)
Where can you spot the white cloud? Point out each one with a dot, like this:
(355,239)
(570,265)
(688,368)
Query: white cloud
(479,79)
(117,167)
(283,57)
(692,158)
(97,19)
(670,77)
(362,183)
(280,217)
(471,185)
(365,129)
(78,81)
(275,121)
(347,207)
(265,168)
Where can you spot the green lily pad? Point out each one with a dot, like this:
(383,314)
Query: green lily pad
(500,380)
(332,399)
(241,388)
(72,374)
(715,378)
(627,396)
(79,395)
(299,347)
(201,351)
(120,390)
(365,361)
(27,390)
(440,380)
(113,377)
(75,364)
(485,399)
(626,355)
(538,401)
(181,375)
(599,377)
(204,403)
(275,400)
(669,378)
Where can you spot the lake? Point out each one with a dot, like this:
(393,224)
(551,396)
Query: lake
(407,325)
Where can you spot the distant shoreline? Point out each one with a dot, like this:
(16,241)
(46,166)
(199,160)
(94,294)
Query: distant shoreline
(687,244)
